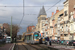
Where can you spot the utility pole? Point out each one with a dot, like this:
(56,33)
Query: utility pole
(11,29)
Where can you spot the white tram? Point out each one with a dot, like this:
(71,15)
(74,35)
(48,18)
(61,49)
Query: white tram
(32,37)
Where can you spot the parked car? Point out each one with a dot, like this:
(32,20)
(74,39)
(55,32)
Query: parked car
(66,42)
(8,39)
(2,40)
(72,42)
(53,41)
(58,41)
(62,41)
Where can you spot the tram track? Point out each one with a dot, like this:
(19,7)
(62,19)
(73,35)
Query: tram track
(33,47)
(21,47)
(44,47)
(39,47)
(25,46)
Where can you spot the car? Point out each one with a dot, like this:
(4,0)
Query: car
(8,39)
(66,42)
(58,41)
(53,41)
(1,40)
(62,41)
(72,42)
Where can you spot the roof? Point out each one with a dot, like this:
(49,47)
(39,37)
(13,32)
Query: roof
(42,11)
(65,1)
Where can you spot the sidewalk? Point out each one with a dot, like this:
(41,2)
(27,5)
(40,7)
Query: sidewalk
(62,47)
(6,46)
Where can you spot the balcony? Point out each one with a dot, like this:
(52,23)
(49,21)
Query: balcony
(66,32)
(53,19)
(55,33)
(65,22)
(51,26)
(61,31)
(55,25)
(71,32)
(50,34)
(61,22)
(72,20)
(58,35)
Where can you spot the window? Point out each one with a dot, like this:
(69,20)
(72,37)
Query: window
(71,27)
(46,27)
(65,13)
(46,33)
(71,17)
(43,29)
(58,18)
(52,30)
(62,28)
(65,34)
(43,18)
(43,24)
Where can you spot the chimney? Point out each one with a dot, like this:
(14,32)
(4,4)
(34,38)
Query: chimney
(52,13)
(57,10)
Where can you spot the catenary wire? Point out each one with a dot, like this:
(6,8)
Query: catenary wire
(49,8)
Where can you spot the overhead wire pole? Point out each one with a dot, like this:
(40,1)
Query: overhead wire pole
(11,29)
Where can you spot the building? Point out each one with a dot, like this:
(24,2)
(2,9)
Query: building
(42,25)
(72,25)
(60,25)
(68,8)
(30,28)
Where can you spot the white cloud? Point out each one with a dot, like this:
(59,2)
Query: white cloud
(17,12)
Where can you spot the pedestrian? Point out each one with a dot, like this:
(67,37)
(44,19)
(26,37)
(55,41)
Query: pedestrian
(50,43)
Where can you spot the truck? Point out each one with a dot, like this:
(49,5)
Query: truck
(8,39)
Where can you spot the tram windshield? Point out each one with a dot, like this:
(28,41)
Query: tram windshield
(36,36)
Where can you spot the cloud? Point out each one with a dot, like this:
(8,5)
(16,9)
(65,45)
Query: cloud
(31,12)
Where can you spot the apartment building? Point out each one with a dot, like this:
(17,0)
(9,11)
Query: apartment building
(42,24)
(60,25)
(55,24)
(72,25)
(68,8)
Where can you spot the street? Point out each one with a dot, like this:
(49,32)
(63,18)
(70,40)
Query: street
(20,45)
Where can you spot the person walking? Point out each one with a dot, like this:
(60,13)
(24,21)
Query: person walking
(50,42)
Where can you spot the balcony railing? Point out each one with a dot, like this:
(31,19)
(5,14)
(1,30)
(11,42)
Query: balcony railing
(58,35)
(72,20)
(51,26)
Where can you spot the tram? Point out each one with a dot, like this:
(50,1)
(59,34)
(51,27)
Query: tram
(32,37)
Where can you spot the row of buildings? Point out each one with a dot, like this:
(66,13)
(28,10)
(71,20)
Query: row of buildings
(61,25)
(3,28)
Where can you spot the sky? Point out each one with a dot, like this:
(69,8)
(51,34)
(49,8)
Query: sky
(14,8)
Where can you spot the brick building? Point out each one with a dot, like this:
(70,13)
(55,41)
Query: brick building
(30,28)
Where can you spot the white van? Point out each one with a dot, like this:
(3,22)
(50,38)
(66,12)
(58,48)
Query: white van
(8,39)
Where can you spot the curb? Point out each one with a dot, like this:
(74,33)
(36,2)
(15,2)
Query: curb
(12,47)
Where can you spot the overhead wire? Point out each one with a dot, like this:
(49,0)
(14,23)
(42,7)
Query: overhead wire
(54,5)
(32,6)
(23,13)
(50,8)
